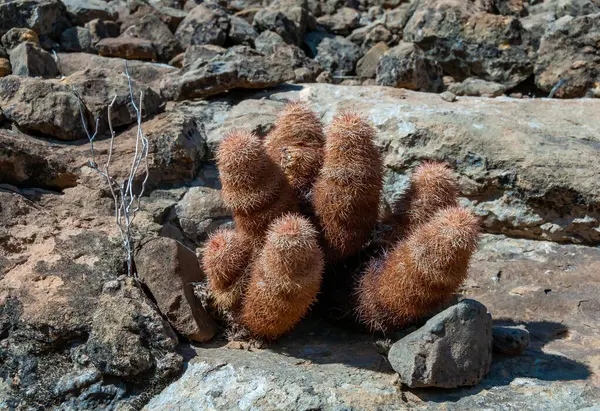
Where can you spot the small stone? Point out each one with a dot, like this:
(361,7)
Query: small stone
(473,86)
(510,340)
(448,96)
(5,68)
(127,48)
(453,349)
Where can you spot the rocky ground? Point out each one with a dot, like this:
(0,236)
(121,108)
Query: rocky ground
(77,334)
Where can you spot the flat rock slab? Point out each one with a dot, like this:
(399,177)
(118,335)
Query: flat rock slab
(320,366)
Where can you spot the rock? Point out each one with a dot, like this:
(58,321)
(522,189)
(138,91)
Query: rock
(288,18)
(5,68)
(42,106)
(453,349)
(324,78)
(241,32)
(129,337)
(396,19)
(576,8)
(239,67)
(510,340)
(146,73)
(342,22)
(511,7)
(197,56)
(45,17)
(448,96)
(98,87)
(76,39)
(406,66)
(338,55)
(292,56)
(83,11)
(267,40)
(101,29)
(467,42)
(476,87)
(203,25)
(572,40)
(200,212)
(16,36)
(168,269)
(151,28)
(367,65)
(127,48)
(28,59)
(378,34)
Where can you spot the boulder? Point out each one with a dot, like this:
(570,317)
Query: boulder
(200,212)
(288,18)
(406,66)
(169,269)
(28,59)
(82,11)
(476,87)
(151,28)
(453,349)
(76,39)
(378,34)
(241,32)
(127,47)
(16,36)
(306,70)
(197,56)
(203,25)
(342,22)
(338,55)
(510,340)
(172,17)
(101,29)
(567,52)
(468,42)
(239,67)
(42,106)
(266,41)
(45,17)
(367,65)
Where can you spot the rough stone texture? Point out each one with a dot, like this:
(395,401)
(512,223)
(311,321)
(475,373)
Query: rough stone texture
(477,87)
(338,55)
(527,167)
(5,67)
(127,47)
(509,340)
(101,29)
(16,36)
(406,66)
(203,25)
(453,349)
(342,22)
(467,42)
(150,27)
(367,65)
(168,269)
(45,17)
(511,7)
(42,106)
(76,39)
(267,40)
(239,67)
(567,52)
(448,96)
(197,56)
(28,59)
(288,18)
(241,32)
(82,11)
(200,212)
(576,8)
(320,366)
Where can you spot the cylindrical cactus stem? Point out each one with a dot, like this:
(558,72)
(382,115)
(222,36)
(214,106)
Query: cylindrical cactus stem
(285,278)
(226,257)
(296,145)
(432,187)
(420,273)
(348,189)
(254,187)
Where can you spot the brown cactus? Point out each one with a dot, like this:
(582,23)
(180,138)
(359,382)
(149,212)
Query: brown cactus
(254,187)
(347,191)
(285,278)
(296,145)
(420,273)
(225,259)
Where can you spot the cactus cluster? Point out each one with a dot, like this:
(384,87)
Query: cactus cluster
(303,199)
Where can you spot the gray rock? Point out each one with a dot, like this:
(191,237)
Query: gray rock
(338,55)
(267,40)
(576,8)
(453,349)
(477,87)
(28,59)
(239,67)
(241,32)
(367,65)
(305,69)
(288,18)
(200,212)
(129,337)
(16,36)
(510,340)
(76,39)
(342,22)
(203,25)
(169,270)
(150,27)
(101,29)
(406,66)
(45,17)
(197,56)
(448,96)
(127,47)
(82,11)
(378,34)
